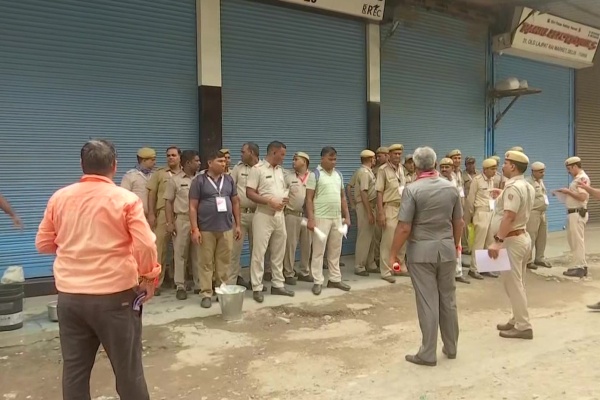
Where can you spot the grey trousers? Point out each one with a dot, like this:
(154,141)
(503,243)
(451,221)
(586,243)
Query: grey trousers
(435,292)
(85,322)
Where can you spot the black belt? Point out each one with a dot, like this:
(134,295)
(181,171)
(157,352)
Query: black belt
(294,213)
(582,211)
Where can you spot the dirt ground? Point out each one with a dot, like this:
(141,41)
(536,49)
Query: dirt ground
(353,347)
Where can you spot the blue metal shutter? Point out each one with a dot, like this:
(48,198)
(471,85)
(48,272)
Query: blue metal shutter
(297,77)
(433,80)
(539,123)
(71,70)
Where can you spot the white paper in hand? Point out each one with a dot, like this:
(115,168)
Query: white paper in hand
(320,234)
(304,222)
(343,230)
(487,264)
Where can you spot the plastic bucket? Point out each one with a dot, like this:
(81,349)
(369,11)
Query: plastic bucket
(11,306)
(231,301)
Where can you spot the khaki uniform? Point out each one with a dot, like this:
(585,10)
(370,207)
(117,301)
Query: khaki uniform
(377,231)
(499,179)
(352,184)
(296,233)
(517,196)
(240,174)
(177,191)
(410,177)
(268,226)
(575,222)
(390,182)
(537,226)
(135,181)
(365,182)
(468,179)
(479,209)
(458,178)
(157,186)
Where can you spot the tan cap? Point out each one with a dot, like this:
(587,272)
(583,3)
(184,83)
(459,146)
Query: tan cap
(446,161)
(146,152)
(455,152)
(517,148)
(489,163)
(395,147)
(572,160)
(496,158)
(303,155)
(408,157)
(516,156)
(366,154)
(382,150)
(225,151)
(538,166)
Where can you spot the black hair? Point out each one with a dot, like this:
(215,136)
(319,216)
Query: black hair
(275,145)
(188,155)
(521,167)
(327,151)
(253,147)
(213,155)
(174,148)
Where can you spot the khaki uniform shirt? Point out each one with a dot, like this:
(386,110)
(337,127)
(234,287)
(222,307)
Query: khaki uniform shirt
(391,183)
(364,180)
(135,181)
(518,197)
(499,180)
(458,178)
(541,196)
(409,177)
(479,193)
(178,191)
(467,179)
(570,201)
(240,174)
(158,183)
(297,185)
(268,181)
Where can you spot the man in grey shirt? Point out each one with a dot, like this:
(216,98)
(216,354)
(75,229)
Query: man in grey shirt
(431,221)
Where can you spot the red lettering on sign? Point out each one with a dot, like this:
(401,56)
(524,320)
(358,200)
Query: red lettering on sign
(567,38)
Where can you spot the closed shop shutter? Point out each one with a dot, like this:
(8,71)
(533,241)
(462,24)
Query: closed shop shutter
(297,77)
(433,79)
(74,70)
(587,127)
(539,123)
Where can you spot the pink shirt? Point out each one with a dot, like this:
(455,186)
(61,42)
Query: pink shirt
(100,236)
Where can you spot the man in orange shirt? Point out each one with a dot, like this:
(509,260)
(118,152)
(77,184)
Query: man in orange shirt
(105,268)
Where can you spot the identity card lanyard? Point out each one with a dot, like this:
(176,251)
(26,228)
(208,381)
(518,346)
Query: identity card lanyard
(221,202)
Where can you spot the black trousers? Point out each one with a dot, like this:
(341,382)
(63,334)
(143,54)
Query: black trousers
(85,322)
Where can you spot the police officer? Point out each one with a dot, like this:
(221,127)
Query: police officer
(537,226)
(576,199)
(390,185)
(381,158)
(227,155)
(178,220)
(136,179)
(365,197)
(499,179)
(294,213)
(409,169)
(456,157)
(509,221)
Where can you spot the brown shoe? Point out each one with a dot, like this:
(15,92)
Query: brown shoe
(505,327)
(338,285)
(475,275)
(450,356)
(389,279)
(362,273)
(595,307)
(416,360)
(516,334)
(305,278)
(281,292)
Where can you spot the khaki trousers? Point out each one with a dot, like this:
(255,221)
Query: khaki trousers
(519,249)
(576,238)
(481,222)
(334,249)
(184,248)
(296,233)
(246,227)
(268,228)
(537,227)
(365,250)
(387,237)
(377,243)
(215,256)
(162,243)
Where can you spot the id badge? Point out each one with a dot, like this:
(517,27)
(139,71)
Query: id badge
(221,204)
(546,200)
(400,190)
(492,205)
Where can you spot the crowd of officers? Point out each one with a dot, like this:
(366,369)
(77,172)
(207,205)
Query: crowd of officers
(308,198)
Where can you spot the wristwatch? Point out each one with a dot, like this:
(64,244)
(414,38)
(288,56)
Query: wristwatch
(498,240)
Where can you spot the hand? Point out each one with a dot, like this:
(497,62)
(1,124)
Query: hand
(196,237)
(152,221)
(347,221)
(237,233)
(371,218)
(494,250)
(171,229)
(310,225)
(148,286)
(276,205)
(458,251)
(381,219)
(286,201)
(17,222)
(494,193)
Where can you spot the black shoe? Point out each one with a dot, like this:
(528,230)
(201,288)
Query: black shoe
(282,292)
(338,285)
(416,360)
(532,266)
(490,274)
(241,282)
(462,279)
(543,263)
(291,281)
(258,297)
(181,294)
(576,272)
(268,276)
(342,264)
(362,273)
(157,291)
(475,275)
(595,307)
(325,266)
(450,356)
(206,302)
(374,270)
(196,291)
(316,289)
(305,278)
